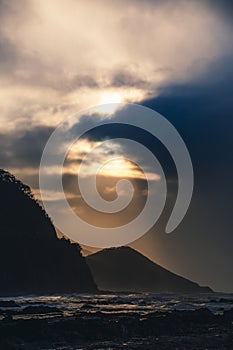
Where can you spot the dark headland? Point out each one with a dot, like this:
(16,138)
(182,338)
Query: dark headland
(32,258)
(126,270)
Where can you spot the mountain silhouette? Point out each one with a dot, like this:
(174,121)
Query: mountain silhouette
(126,270)
(33,260)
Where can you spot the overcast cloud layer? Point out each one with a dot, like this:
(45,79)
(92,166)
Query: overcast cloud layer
(60,56)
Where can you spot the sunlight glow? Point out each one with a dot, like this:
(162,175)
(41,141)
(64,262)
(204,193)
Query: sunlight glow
(109,97)
(109,102)
(118,166)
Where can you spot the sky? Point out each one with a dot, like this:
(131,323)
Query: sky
(60,57)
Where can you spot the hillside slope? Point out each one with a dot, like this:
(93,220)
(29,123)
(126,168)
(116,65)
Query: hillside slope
(32,259)
(124,269)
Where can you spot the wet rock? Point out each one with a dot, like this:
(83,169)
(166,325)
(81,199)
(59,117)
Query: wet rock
(40,310)
(8,303)
(186,327)
(228,315)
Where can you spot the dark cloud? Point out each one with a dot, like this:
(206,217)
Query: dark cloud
(23,149)
(203,115)
(223,6)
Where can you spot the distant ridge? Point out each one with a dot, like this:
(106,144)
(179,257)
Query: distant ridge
(126,270)
(32,258)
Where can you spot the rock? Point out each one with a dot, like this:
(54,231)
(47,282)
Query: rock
(8,303)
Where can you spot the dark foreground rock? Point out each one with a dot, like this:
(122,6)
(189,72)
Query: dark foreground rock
(199,329)
(8,303)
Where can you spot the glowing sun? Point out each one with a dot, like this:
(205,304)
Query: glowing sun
(111,97)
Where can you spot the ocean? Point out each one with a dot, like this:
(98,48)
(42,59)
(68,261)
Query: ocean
(142,304)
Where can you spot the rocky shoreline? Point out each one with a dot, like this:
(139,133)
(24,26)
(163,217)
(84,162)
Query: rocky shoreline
(47,328)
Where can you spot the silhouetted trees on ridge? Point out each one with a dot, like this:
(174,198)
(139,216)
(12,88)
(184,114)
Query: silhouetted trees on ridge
(32,258)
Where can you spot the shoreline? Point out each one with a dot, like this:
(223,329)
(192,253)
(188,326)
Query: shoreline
(46,327)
